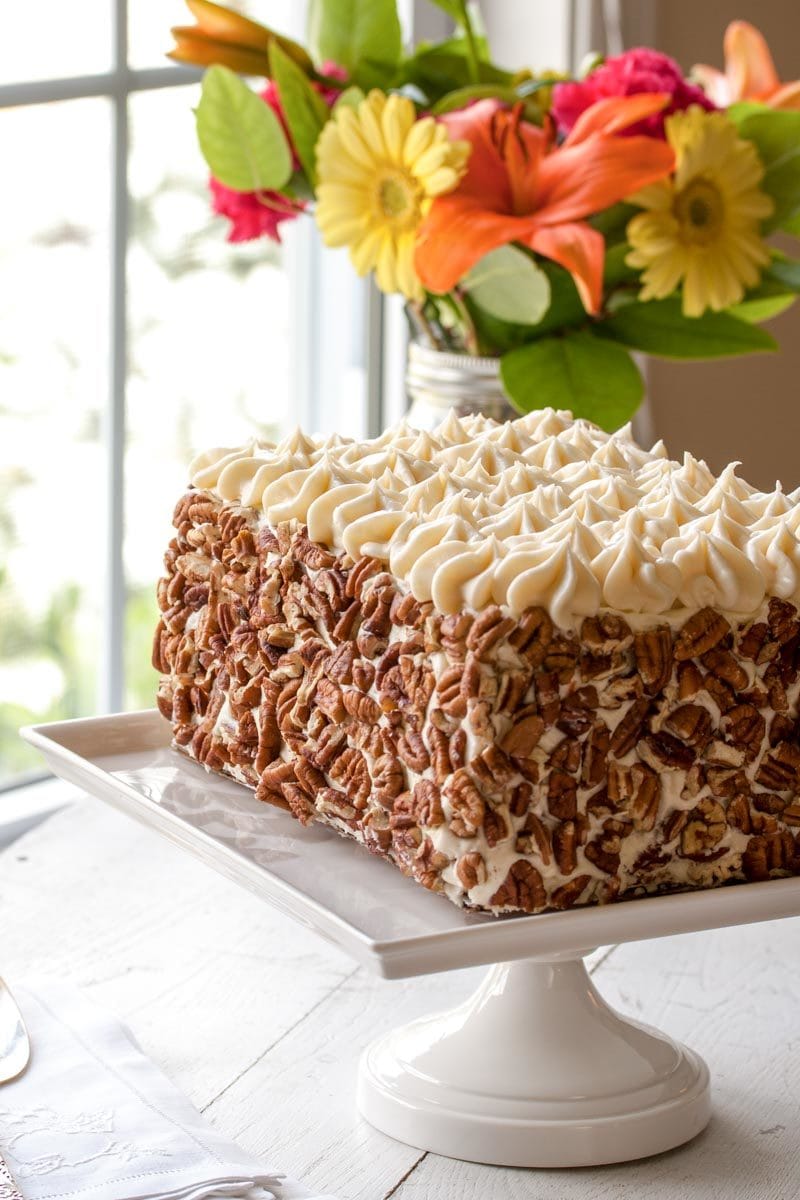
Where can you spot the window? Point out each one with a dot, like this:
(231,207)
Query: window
(131,335)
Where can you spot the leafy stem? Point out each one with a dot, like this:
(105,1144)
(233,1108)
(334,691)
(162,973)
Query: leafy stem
(473,57)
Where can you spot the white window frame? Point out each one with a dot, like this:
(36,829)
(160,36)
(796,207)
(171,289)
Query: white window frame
(307,271)
(116,84)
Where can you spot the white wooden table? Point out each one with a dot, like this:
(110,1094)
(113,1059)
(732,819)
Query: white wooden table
(261,1023)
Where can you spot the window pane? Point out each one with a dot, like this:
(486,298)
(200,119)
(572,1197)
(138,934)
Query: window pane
(149,23)
(55,39)
(54,253)
(209,346)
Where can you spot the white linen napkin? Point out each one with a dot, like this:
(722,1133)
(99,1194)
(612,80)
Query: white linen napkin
(93,1119)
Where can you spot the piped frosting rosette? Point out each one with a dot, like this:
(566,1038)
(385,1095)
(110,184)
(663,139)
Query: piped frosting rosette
(544,510)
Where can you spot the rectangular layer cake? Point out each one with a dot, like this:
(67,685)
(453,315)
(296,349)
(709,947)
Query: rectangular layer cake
(531,664)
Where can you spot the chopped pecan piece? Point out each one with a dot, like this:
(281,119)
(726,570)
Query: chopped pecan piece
(350,769)
(738,812)
(532,635)
(487,630)
(666,751)
(418,681)
(704,829)
(471,870)
(562,795)
(653,651)
(521,889)
(782,621)
(413,750)
(780,770)
(428,805)
(512,688)
(547,696)
(692,724)
(768,802)
(725,782)
(363,708)
(753,642)
(467,804)
(606,632)
(568,895)
(339,666)
(329,698)
(534,836)
(300,805)
(690,680)
(704,630)
(603,852)
(495,828)
(724,666)
(451,695)
(629,729)
(745,728)
(388,779)
(639,789)
(523,736)
(766,853)
(453,633)
(521,797)
(595,755)
(565,847)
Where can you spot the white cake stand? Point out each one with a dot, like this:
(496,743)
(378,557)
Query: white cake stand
(534,1069)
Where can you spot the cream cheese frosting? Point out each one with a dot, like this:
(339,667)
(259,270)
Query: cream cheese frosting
(545,510)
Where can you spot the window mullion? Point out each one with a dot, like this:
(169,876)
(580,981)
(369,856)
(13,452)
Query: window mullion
(118,82)
(112,661)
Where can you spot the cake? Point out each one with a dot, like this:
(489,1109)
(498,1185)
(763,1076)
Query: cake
(531,664)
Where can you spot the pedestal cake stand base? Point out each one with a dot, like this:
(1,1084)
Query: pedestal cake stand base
(534,1070)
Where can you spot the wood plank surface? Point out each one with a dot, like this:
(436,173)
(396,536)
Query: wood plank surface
(261,1023)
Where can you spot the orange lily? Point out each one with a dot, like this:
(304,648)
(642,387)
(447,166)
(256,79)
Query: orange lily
(749,72)
(519,187)
(226,37)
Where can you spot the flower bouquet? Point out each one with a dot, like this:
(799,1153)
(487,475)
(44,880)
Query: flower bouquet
(556,223)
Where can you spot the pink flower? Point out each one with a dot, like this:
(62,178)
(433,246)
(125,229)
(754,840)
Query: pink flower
(252,214)
(635,71)
(258,214)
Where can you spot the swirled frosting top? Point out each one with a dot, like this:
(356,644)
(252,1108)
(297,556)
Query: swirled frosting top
(542,510)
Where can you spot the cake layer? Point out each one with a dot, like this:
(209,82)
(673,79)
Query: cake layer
(507,761)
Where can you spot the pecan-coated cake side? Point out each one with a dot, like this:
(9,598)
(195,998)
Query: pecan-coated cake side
(500,759)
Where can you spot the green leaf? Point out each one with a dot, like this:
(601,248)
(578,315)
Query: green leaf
(775,134)
(594,378)
(350,98)
(507,284)
(461,97)
(303,107)
(792,225)
(363,36)
(786,272)
(240,137)
(615,270)
(565,312)
(444,68)
(761,305)
(659,327)
(613,222)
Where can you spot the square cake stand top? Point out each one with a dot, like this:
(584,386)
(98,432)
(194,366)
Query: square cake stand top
(354,900)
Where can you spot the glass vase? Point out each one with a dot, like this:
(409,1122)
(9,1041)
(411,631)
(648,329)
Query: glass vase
(438,382)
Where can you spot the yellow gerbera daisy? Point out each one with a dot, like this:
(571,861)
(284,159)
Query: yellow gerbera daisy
(379,170)
(702,226)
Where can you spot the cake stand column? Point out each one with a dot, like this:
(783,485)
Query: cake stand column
(534,1070)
